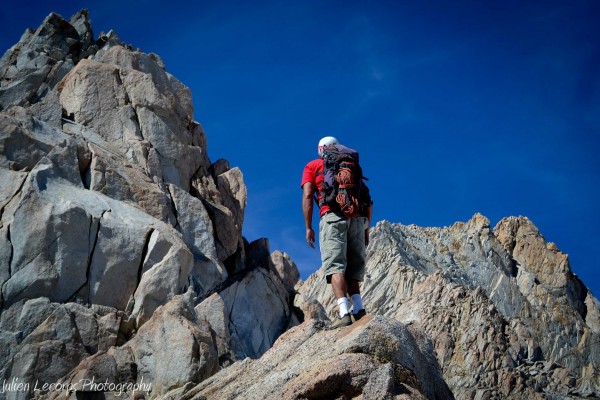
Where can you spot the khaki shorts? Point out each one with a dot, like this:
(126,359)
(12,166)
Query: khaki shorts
(342,243)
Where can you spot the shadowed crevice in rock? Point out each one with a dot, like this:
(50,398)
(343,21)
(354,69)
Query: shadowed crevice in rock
(83,293)
(232,323)
(6,262)
(86,175)
(67,116)
(13,194)
(84,158)
(144,255)
(583,293)
(231,262)
(137,121)
(94,230)
(10,257)
(173,207)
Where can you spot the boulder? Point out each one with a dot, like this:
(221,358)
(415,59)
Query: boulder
(228,233)
(197,229)
(172,349)
(285,269)
(212,310)
(43,341)
(234,195)
(252,330)
(378,358)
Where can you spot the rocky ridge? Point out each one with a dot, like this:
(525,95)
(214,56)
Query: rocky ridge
(507,316)
(122,260)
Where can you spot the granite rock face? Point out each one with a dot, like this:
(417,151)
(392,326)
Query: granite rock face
(116,229)
(507,316)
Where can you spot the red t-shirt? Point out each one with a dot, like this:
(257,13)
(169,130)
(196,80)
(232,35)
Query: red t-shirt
(312,174)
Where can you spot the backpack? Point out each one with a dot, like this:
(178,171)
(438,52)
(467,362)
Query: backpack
(343,187)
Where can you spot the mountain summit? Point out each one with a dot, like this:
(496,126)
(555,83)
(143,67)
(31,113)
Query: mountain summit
(124,272)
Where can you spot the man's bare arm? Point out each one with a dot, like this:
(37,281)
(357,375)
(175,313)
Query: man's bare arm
(307,210)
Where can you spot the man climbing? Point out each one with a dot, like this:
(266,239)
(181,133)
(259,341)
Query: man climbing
(345,210)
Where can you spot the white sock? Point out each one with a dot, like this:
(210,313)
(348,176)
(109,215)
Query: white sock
(344,306)
(357,304)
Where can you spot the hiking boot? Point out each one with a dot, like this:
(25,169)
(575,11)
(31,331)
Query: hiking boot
(359,314)
(341,321)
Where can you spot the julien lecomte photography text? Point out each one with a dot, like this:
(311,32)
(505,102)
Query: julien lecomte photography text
(16,384)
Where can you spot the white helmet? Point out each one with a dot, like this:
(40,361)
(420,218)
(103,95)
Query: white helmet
(326,141)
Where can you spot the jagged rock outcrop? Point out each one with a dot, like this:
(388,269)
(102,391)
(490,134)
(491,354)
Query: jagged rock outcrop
(32,67)
(117,232)
(507,316)
(377,358)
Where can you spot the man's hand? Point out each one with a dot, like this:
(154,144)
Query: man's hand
(310,237)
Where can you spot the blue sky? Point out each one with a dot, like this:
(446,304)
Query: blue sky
(455,107)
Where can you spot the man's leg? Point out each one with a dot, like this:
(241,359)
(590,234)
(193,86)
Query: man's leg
(340,288)
(332,237)
(353,287)
(356,264)
(339,285)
